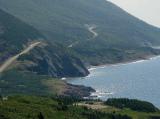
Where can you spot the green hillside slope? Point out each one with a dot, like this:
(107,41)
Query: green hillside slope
(120,36)
(47,59)
(32,107)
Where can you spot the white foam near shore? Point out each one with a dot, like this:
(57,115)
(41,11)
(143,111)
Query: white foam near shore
(135,62)
(100,94)
(64,78)
(88,76)
(92,68)
(97,67)
(143,60)
(153,58)
(114,65)
(125,63)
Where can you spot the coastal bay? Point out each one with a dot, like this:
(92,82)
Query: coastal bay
(139,80)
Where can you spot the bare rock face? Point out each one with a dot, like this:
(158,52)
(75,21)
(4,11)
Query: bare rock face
(50,60)
(78,91)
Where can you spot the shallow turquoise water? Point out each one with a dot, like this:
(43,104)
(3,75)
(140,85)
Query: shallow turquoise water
(140,80)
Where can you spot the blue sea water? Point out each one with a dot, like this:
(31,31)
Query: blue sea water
(138,80)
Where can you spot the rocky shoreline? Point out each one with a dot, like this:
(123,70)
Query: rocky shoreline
(143,58)
(86,92)
(78,91)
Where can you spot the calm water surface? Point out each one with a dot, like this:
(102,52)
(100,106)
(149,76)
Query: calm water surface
(140,80)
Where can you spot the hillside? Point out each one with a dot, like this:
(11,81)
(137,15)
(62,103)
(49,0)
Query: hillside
(97,30)
(43,41)
(13,82)
(46,59)
(32,107)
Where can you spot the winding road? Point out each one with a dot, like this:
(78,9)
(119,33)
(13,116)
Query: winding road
(91,29)
(71,45)
(9,61)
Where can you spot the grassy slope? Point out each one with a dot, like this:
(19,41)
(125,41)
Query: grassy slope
(25,107)
(14,35)
(122,37)
(125,111)
(29,107)
(17,82)
(131,113)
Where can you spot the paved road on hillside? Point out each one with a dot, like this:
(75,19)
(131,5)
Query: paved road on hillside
(90,29)
(9,61)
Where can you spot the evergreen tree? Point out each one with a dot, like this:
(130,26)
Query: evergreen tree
(40,116)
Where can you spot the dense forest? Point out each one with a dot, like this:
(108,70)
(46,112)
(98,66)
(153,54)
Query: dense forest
(132,104)
(32,107)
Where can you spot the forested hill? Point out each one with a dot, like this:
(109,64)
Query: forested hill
(14,34)
(32,107)
(47,59)
(120,36)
